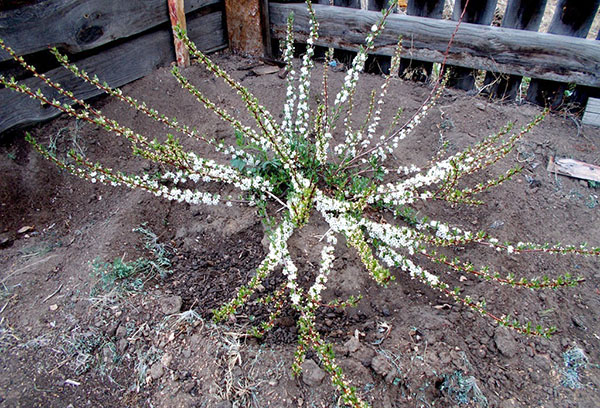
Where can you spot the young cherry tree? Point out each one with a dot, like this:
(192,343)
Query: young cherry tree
(301,165)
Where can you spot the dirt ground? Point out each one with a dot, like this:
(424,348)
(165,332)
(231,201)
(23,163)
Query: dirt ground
(72,337)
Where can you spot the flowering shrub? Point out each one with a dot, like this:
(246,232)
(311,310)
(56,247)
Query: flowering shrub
(299,164)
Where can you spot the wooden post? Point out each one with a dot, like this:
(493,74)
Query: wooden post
(420,8)
(521,15)
(573,18)
(478,12)
(245,26)
(582,93)
(177,15)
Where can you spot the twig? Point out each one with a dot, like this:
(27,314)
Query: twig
(53,293)
(25,267)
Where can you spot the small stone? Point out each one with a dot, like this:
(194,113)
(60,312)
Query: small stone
(509,403)
(53,307)
(121,332)
(480,106)
(312,375)
(188,386)
(352,345)
(181,233)
(166,360)
(579,322)
(122,345)
(6,240)
(156,371)
(505,342)
(380,365)
(171,305)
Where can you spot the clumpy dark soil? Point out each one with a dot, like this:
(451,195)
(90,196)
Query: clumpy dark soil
(65,343)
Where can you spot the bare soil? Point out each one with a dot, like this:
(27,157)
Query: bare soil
(66,342)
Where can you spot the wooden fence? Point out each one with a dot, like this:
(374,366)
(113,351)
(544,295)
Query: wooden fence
(124,40)
(508,53)
(120,41)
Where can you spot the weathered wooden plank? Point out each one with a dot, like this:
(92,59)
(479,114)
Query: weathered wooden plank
(135,59)
(476,12)
(574,168)
(79,25)
(519,52)
(571,18)
(592,112)
(521,15)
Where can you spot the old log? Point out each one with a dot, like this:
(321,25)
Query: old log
(518,52)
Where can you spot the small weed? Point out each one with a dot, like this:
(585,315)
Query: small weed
(592,201)
(41,249)
(189,317)
(120,276)
(258,163)
(71,133)
(463,389)
(7,335)
(144,360)
(574,360)
(83,348)
(162,253)
(127,276)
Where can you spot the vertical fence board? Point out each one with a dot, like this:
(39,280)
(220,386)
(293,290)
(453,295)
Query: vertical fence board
(377,5)
(521,15)
(342,3)
(572,18)
(583,93)
(421,8)
(478,12)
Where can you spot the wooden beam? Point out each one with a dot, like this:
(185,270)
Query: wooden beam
(244,26)
(135,59)
(80,25)
(518,52)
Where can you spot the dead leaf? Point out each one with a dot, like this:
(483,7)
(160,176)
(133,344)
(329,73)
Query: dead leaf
(25,229)
(265,70)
